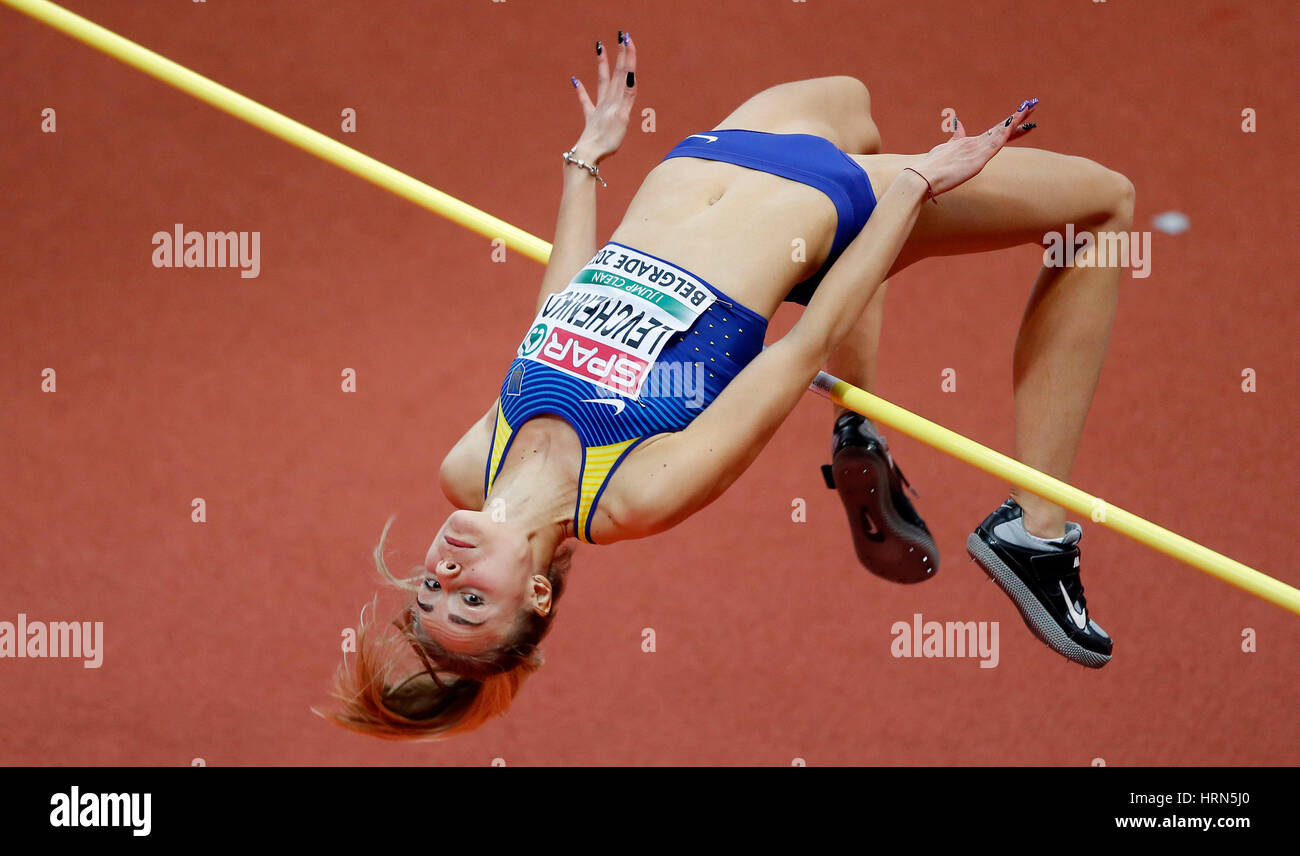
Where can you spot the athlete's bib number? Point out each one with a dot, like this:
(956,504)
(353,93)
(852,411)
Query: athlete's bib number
(612,321)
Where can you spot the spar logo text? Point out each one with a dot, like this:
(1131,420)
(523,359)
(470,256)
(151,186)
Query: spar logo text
(593,361)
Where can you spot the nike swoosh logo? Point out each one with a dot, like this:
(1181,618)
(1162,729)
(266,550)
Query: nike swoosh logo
(1080,619)
(617,403)
(705,137)
(872,532)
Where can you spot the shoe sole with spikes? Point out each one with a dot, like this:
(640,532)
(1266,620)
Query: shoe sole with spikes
(886,544)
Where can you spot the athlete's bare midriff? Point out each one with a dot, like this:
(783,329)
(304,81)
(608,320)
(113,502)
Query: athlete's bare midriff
(738,229)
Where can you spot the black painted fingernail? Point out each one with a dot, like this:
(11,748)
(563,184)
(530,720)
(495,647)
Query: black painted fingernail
(620,37)
(1029,126)
(631,79)
(1007,123)
(599,47)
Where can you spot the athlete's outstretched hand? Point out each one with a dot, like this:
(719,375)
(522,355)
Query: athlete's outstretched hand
(607,118)
(961,157)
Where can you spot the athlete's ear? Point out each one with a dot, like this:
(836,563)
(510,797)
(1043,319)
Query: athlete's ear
(540,595)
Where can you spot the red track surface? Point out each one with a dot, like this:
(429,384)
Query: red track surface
(772,643)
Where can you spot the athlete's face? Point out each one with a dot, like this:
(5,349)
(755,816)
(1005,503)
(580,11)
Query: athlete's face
(479,576)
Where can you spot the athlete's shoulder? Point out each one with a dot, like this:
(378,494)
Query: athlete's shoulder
(461,473)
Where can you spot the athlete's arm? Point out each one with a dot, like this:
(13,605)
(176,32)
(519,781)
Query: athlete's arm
(461,474)
(678,474)
(575,227)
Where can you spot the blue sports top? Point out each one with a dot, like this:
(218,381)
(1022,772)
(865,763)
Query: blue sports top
(613,316)
(693,368)
(805,158)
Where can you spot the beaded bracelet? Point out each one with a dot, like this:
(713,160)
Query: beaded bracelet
(591,168)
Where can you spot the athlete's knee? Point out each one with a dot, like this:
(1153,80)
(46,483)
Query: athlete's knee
(855,97)
(1114,195)
(1110,194)
(854,90)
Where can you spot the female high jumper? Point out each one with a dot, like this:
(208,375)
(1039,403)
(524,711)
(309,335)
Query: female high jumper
(642,389)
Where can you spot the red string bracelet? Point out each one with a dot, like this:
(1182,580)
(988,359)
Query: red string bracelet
(929,189)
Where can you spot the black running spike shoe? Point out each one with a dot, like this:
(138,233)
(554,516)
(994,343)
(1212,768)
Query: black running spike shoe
(890,538)
(1043,583)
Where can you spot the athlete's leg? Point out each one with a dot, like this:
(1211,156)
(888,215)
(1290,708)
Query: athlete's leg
(854,360)
(1021,195)
(889,536)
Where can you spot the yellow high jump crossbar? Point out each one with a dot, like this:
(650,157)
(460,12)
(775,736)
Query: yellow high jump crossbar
(1006,468)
